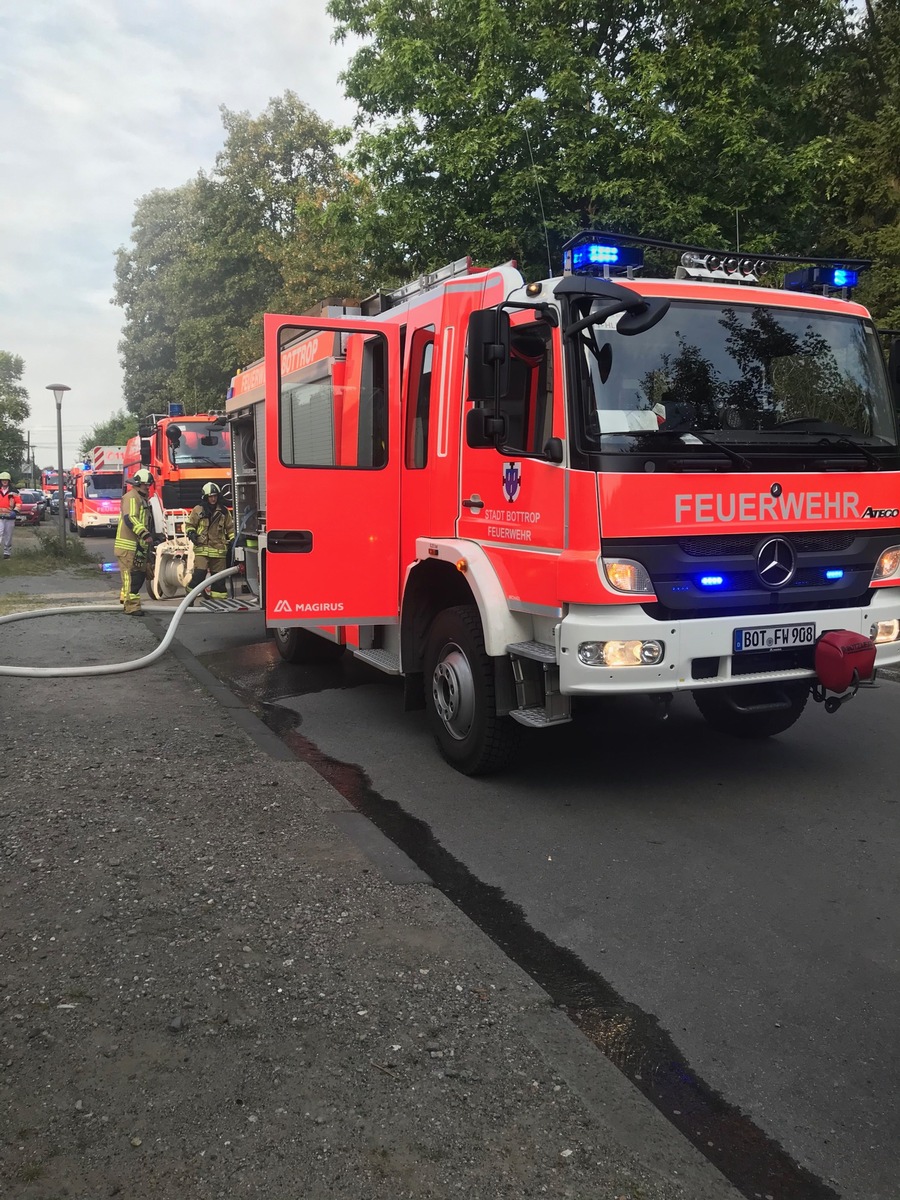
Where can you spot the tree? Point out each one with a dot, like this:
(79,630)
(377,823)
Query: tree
(148,288)
(269,229)
(114,431)
(14,411)
(659,116)
(861,175)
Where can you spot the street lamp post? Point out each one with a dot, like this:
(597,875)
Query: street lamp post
(57,389)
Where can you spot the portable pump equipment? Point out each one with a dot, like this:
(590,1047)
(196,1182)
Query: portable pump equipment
(517,495)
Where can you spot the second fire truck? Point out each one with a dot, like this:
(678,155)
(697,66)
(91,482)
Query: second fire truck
(516,495)
(182,453)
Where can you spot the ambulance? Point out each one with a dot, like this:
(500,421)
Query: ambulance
(519,495)
(97,491)
(182,453)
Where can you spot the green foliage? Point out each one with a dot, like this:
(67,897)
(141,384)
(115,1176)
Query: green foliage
(862,172)
(14,411)
(207,259)
(115,431)
(664,116)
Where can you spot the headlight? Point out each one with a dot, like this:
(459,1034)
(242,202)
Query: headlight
(884,631)
(632,653)
(626,575)
(888,564)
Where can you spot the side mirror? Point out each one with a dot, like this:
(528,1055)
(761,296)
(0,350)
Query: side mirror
(488,353)
(145,452)
(553,450)
(483,429)
(173,433)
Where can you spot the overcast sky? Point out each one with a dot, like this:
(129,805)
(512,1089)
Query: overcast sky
(100,102)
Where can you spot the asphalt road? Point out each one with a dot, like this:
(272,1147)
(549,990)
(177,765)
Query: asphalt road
(743,894)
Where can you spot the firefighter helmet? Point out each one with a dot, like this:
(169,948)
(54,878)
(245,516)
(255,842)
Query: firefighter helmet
(4,475)
(211,489)
(141,476)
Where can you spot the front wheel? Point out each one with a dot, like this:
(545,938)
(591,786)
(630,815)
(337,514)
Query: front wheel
(460,698)
(755,710)
(303,646)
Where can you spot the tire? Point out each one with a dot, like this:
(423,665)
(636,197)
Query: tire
(460,698)
(304,646)
(82,533)
(73,528)
(729,710)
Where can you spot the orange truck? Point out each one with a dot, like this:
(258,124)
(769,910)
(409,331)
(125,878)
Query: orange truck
(97,491)
(518,496)
(182,453)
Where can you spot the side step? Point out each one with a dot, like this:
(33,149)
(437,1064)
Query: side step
(536,677)
(384,660)
(227,605)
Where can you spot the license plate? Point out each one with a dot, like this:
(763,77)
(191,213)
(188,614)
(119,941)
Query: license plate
(774,637)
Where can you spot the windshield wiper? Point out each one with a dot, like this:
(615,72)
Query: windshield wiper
(841,439)
(739,459)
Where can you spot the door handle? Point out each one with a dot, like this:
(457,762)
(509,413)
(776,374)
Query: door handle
(473,502)
(289,541)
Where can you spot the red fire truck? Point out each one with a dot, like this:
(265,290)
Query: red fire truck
(97,491)
(517,495)
(182,453)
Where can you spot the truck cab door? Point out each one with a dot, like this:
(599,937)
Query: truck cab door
(332,554)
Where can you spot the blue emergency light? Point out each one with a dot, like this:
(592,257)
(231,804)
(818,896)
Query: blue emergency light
(810,279)
(835,573)
(176,409)
(712,581)
(595,257)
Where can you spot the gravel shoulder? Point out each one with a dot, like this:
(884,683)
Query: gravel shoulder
(208,990)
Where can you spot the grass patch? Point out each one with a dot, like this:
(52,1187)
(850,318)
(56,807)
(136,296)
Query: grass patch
(43,553)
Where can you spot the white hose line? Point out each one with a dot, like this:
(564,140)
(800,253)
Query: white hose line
(108,668)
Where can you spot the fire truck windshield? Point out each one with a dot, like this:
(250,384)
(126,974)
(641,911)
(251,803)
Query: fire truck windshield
(106,486)
(201,445)
(755,373)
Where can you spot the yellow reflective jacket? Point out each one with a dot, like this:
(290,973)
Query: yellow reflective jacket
(135,520)
(215,529)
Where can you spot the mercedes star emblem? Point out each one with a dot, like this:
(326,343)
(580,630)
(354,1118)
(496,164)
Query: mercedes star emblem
(775,562)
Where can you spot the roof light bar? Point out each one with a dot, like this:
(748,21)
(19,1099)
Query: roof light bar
(824,279)
(591,254)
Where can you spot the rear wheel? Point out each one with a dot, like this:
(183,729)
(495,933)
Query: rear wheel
(304,646)
(460,698)
(755,710)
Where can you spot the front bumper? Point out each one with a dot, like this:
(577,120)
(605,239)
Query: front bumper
(92,520)
(699,646)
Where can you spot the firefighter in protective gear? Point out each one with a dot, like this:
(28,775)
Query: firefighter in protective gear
(9,502)
(210,527)
(134,539)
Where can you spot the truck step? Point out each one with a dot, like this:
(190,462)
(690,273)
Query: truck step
(539,651)
(537,718)
(248,605)
(384,660)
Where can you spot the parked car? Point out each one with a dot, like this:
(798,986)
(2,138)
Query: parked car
(54,500)
(31,509)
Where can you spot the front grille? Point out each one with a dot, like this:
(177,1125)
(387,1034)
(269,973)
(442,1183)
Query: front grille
(704,668)
(739,544)
(677,567)
(773,660)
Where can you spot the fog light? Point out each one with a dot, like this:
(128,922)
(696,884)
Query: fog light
(885,631)
(888,564)
(651,653)
(632,653)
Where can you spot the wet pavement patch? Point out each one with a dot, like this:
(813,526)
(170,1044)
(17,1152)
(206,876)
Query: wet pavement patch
(629,1037)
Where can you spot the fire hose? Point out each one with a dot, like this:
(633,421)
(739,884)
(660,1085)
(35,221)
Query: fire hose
(110,668)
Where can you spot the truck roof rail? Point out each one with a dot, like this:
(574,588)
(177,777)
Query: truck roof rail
(379,302)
